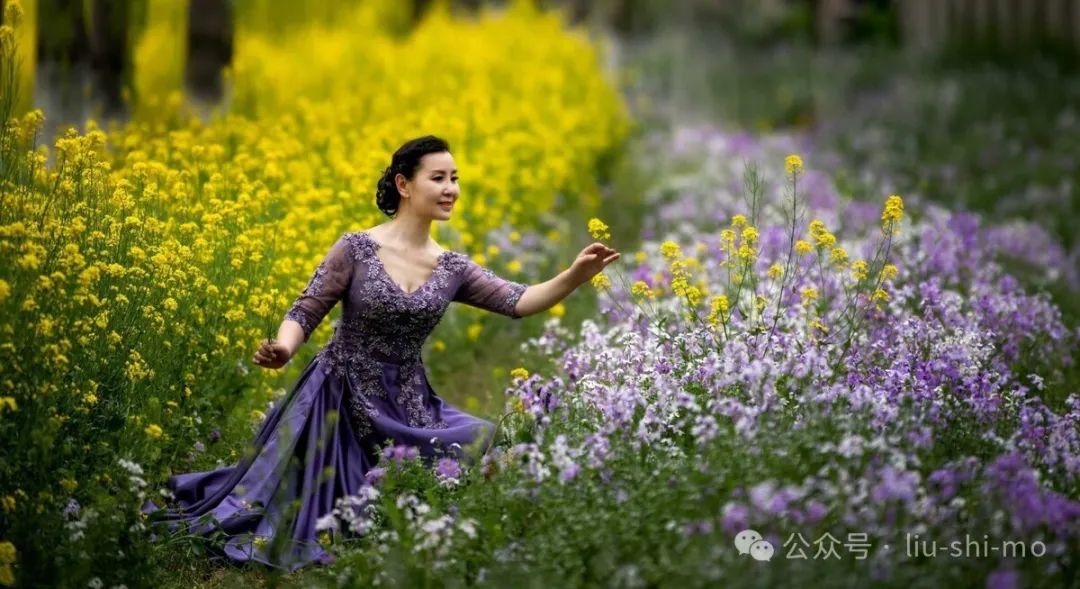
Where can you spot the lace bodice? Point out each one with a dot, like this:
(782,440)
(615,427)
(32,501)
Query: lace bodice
(382,324)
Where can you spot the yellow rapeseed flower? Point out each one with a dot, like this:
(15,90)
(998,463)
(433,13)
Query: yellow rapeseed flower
(888,272)
(601,282)
(473,331)
(738,220)
(803,247)
(154,430)
(838,256)
(775,271)
(809,294)
(69,485)
(670,249)
(598,230)
(793,164)
(438,345)
(558,310)
(519,373)
(718,309)
(894,210)
(7,552)
(641,288)
(5,290)
(858,269)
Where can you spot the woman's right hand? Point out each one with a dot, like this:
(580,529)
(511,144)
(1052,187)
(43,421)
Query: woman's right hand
(272,354)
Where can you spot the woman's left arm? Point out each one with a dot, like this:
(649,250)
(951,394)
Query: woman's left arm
(591,261)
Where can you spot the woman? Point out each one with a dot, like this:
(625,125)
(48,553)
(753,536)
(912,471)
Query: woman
(368,385)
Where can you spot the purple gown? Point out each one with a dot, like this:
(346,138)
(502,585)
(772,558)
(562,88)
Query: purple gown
(366,386)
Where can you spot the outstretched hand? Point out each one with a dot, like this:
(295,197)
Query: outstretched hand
(271,354)
(592,260)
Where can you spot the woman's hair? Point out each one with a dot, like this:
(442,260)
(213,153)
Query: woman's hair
(406,161)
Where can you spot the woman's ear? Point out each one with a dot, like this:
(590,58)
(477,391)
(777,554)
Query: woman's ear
(400,183)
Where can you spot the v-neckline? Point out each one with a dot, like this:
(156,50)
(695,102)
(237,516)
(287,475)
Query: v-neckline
(390,279)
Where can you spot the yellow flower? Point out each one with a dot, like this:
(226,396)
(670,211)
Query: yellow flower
(515,236)
(809,294)
(817,324)
(438,345)
(69,485)
(858,269)
(519,373)
(894,210)
(8,503)
(598,230)
(718,309)
(640,256)
(641,288)
(519,405)
(793,164)
(803,247)
(558,310)
(693,294)
(727,239)
(601,282)
(257,415)
(880,295)
(5,290)
(170,304)
(738,220)
(10,403)
(775,271)
(514,266)
(821,235)
(838,256)
(473,331)
(750,235)
(154,430)
(7,576)
(888,272)
(670,249)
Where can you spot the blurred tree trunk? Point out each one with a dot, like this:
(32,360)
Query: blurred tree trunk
(210,47)
(109,39)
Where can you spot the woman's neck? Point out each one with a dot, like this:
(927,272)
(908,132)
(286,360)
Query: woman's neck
(408,233)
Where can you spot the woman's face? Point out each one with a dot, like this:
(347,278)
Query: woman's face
(434,188)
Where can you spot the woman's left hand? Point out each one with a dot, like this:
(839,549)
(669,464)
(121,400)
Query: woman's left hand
(591,261)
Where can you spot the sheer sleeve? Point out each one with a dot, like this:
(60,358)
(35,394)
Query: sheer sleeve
(482,288)
(327,285)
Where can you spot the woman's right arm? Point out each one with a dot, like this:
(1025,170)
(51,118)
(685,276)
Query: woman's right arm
(329,283)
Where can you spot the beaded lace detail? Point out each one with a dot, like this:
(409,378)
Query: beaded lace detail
(382,325)
(393,327)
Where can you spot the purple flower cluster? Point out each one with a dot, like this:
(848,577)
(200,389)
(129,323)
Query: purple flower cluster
(960,362)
